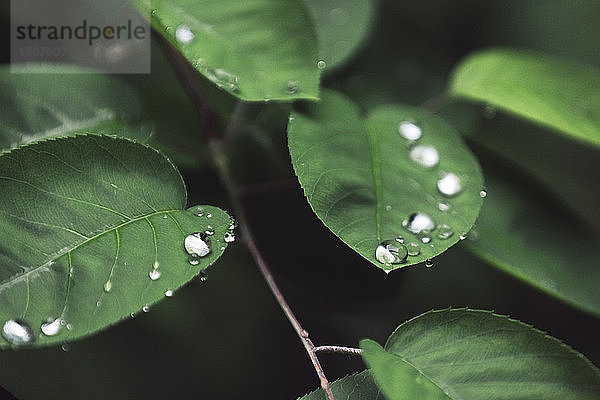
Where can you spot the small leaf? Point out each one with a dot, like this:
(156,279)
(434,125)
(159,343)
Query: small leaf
(359,386)
(256,50)
(58,100)
(342,27)
(559,94)
(362,182)
(472,354)
(521,233)
(94,230)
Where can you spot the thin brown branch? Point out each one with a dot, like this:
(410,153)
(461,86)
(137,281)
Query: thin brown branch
(338,350)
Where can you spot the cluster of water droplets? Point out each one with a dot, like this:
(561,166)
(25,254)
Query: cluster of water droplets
(422,226)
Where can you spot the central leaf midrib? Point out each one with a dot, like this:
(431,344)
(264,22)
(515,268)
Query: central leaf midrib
(377,175)
(35,269)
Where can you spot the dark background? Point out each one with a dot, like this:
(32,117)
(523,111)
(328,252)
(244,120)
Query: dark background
(226,338)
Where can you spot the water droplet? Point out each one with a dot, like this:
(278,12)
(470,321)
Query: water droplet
(51,327)
(17,332)
(449,184)
(443,206)
(153,12)
(400,239)
(223,79)
(463,236)
(200,214)
(154,274)
(418,222)
(69,326)
(209,230)
(413,249)
(321,64)
(483,193)
(425,156)
(293,87)
(208,215)
(66,347)
(194,259)
(429,263)
(169,293)
(229,237)
(424,236)
(445,231)
(183,34)
(197,243)
(98,303)
(107,286)
(391,252)
(388,208)
(409,130)
(233,223)
(165,217)
(146,308)
(203,277)
(133,315)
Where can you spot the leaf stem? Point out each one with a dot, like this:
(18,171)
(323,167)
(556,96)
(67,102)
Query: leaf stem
(338,350)
(248,238)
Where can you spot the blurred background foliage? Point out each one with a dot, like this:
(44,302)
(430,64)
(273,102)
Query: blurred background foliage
(226,337)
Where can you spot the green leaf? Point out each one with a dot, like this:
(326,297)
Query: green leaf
(520,232)
(559,94)
(58,100)
(472,354)
(361,182)
(342,27)
(359,386)
(256,50)
(86,221)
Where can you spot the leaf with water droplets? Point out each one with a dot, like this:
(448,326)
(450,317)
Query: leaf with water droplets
(61,100)
(250,49)
(359,386)
(342,27)
(360,179)
(473,354)
(555,93)
(85,239)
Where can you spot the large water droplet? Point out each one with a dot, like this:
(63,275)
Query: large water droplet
(229,237)
(51,327)
(183,34)
(409,130)
(154,274)
(445,231)
(418,222)
(17,332)
(413,249)
(391,252)
(293,87)
(107,286)
(197,243)
(425,156)
(449,184)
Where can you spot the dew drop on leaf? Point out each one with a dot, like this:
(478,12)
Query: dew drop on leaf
(429,263)
(209,230)
(449,184)
(445,231)
(321,64)
(293,87)
(17,332)
(418,222)
(443,205)
(169,293)
(183,34)
(425,156)
(483,193)
(194,259)
(424,236)
(413,249)
(154,274)
(391,252)
(51,327)
(146,308)
(400,239)
(197,243)
(409,130)
(229,237)
(107,286)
